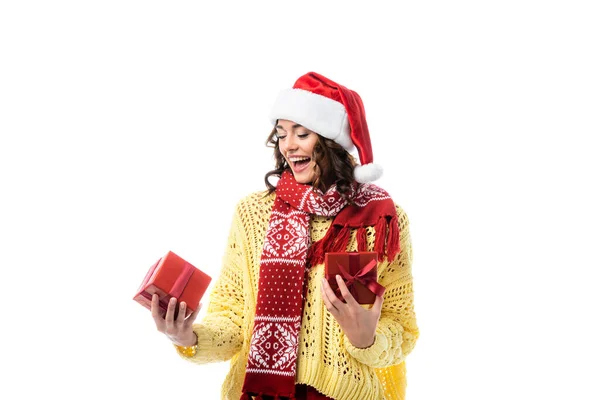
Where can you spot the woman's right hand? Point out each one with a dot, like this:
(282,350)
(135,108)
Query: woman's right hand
(178,330)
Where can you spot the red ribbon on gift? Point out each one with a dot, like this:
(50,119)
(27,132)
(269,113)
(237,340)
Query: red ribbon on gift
(360,276)
(177,288)
(182,280)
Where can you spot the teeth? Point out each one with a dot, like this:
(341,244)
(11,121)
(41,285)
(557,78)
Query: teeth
(296,159)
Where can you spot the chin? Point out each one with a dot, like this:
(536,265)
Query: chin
(304,178)
(301,180)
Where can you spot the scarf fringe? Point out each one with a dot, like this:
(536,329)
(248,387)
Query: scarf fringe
(393,243)
(361,238)
(380,235)
(341,241)
(316,252)
(337,239)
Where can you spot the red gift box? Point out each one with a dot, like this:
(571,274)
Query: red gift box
(359,272)
(172,276)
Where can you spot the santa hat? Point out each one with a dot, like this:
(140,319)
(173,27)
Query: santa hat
(333,111)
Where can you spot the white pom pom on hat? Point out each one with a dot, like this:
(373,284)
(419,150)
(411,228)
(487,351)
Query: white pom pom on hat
(334,112)
(367,173)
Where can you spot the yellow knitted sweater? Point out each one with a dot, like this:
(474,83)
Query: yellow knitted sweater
(326,359)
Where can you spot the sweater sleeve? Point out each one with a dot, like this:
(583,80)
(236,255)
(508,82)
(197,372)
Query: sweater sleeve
(397,330)
(220,334)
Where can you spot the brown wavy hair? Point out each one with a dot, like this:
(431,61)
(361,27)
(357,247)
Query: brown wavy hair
(333,165)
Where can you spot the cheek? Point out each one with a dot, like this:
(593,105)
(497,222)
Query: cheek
(311,147)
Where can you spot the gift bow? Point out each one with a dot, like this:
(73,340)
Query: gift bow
(361,277)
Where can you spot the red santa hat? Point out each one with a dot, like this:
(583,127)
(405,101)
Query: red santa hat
(333,111)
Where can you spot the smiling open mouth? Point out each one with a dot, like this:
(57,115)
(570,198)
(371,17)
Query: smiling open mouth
(299,161)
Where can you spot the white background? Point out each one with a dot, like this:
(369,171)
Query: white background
(130,128)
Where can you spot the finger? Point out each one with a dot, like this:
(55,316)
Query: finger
(181,314)
(327,303)
(378,304)
(329,297)
(170,311)
(350,300)
(154,307)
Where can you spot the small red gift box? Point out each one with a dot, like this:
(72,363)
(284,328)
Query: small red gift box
(359,271)
(172,276)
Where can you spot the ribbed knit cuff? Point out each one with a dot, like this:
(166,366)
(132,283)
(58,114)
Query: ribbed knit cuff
(203,342)
(186,351)
(371,355)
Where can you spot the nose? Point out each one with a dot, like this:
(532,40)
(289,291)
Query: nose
(289,144)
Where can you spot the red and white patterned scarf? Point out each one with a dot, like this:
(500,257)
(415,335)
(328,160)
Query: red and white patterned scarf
(287,254)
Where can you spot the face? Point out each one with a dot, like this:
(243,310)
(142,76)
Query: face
(297,143)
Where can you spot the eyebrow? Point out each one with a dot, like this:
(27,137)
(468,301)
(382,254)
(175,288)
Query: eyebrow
(293,127)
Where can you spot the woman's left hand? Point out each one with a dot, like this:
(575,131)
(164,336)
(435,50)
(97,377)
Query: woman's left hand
(358,323)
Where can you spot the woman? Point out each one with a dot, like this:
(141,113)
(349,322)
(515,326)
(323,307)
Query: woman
(271,311)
